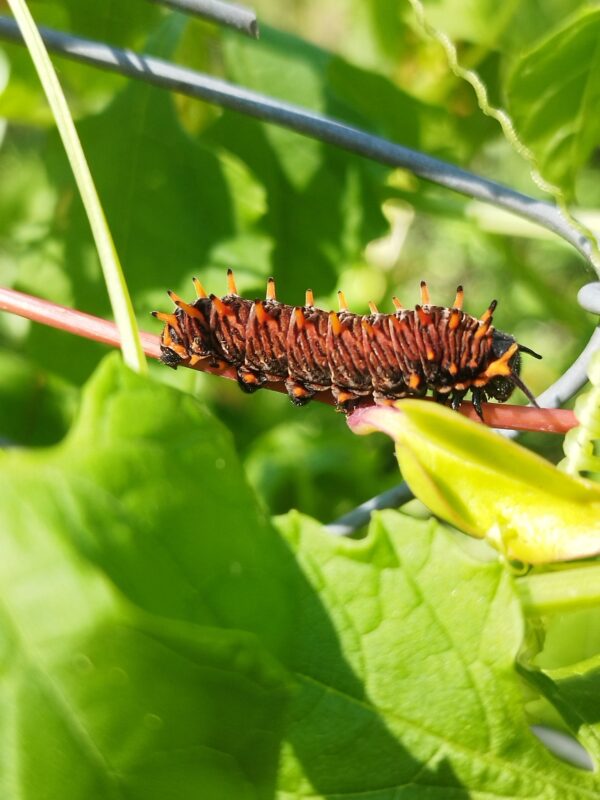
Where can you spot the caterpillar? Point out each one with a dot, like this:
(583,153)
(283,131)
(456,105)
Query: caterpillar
(379,356)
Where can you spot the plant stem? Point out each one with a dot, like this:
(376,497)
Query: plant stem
(565,589)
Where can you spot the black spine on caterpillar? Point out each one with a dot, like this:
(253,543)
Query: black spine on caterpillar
(382,356)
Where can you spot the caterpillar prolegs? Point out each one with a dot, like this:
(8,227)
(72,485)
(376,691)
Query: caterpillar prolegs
(380,356)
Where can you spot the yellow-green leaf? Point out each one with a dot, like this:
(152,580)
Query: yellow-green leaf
(487,486)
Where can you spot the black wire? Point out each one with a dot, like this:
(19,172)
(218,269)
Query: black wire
(167,75)
(229,14)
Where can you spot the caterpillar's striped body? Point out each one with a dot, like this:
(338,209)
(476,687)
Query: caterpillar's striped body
(383,356)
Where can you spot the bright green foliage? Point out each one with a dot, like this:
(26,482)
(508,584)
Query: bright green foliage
(46,403)
(285,461)
(112,272)
(489,486)
(554,95)
(509,27)
(573,690)
(581,443)
(110,698)
(162,638)
(437,668)
(191,190)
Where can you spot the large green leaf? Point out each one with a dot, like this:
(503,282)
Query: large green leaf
(100,700)
(44,404)
(554,93)
(175,482)
(146,601)
(433,635)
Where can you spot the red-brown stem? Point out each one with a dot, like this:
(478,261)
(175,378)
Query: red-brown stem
(101,330)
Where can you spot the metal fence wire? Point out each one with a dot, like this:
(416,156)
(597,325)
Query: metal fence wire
(183,80)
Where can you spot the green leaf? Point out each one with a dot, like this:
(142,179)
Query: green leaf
(553,94)
(35,407)
(431,636)
(160,636)
(512,26)
(189,189)
(488,486)
(291,69)
(575,692)
(175,484)
(100,697)
(100,700)
(381,105)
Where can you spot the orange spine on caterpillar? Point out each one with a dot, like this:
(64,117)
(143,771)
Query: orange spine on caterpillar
(380,356)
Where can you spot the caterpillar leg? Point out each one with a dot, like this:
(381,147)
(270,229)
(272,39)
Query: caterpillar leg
(217,363)
(479,397)
(442,395)
(299,394)
(382,399)
(249,381)
(345,399)
(457,398)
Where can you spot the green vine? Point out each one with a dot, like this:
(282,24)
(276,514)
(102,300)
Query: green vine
(560,590)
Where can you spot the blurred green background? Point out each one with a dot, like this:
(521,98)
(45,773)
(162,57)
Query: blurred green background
(189,189)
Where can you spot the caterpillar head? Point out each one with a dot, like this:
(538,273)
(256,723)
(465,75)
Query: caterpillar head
(186,336)
(501,387)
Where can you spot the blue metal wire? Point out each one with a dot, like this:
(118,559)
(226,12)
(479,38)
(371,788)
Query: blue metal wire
(228,14)
(167,75)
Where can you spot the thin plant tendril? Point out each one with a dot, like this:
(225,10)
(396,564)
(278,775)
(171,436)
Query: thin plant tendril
(506,123)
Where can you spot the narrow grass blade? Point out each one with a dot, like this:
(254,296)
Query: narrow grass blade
(113,274)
